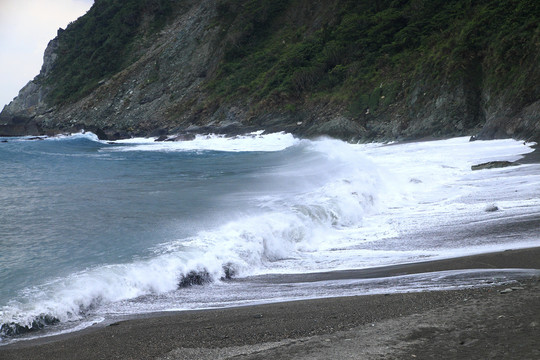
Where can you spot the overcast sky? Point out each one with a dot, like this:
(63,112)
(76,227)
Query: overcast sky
(26,27)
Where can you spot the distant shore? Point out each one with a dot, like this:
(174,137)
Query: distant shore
(490,322)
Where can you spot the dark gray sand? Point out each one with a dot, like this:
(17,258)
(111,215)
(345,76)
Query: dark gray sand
(483,323)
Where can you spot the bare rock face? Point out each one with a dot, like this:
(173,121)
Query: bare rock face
(524,124)
(164,91)
(493,165)
(21,116)
(31,98)
(29,102)
(50,55)
(339,127)
(17,118)
(143,97)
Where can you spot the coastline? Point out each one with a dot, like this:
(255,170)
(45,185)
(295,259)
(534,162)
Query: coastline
(473,323)
(533,157)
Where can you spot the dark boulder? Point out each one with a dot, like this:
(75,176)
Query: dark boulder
(12,329)
(194,278)
(493,165)
(228,271)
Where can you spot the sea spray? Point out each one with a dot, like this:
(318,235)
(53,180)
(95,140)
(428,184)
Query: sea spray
(322,186)
(121,225)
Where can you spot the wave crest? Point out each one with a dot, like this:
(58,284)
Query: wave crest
(313,190)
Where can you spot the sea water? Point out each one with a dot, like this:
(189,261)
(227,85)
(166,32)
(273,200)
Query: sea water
(92,230)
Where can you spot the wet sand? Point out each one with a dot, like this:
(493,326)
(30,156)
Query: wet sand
(532,157)
(493,322)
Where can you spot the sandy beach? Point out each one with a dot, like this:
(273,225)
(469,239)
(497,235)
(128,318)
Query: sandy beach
(489,322)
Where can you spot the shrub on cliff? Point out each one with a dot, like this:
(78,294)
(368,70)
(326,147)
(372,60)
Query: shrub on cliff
(98,44)
(347,50)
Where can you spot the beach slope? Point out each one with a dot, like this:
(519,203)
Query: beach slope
(500,322)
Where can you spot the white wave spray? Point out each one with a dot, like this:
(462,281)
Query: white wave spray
(322,187)
(321,205)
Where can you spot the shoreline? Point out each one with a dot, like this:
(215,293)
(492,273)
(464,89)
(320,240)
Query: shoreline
(527,259)
(533,157)
(337,327)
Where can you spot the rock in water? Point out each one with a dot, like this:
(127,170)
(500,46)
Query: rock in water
(229,271)
(12,329)
(194,278)
(493,165)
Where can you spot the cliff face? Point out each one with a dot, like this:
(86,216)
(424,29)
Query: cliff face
(136,99)
(309,67)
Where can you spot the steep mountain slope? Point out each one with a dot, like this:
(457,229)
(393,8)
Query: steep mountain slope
(397,69)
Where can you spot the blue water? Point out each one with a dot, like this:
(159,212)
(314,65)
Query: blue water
(68,205)
(91,230)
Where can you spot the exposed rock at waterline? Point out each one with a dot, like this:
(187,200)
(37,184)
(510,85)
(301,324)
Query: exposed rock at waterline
(229,272)
(493,165)
(194,278)
(12,329)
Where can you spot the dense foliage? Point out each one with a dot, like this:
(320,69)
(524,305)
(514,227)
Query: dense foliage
(98,44)
(361,52)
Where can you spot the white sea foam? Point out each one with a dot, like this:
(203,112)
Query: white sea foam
(330,206)
(74,136)
(290,222)
(256,141)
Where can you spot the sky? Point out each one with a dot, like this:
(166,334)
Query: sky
(26,27)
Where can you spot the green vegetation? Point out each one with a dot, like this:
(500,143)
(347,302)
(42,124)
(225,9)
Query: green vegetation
(364,53)
(282,53)
(99,44)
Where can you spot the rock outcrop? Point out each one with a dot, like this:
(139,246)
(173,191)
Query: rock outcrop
(166,88)
(23,115)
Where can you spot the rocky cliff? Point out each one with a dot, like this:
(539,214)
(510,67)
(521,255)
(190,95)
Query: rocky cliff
(352,70)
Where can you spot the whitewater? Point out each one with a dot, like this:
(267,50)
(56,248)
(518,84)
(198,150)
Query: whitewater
(92,231)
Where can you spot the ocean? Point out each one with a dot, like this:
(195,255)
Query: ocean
(92,231)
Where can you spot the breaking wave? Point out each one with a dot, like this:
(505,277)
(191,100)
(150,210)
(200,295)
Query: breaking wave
(310,191)
(287,206)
